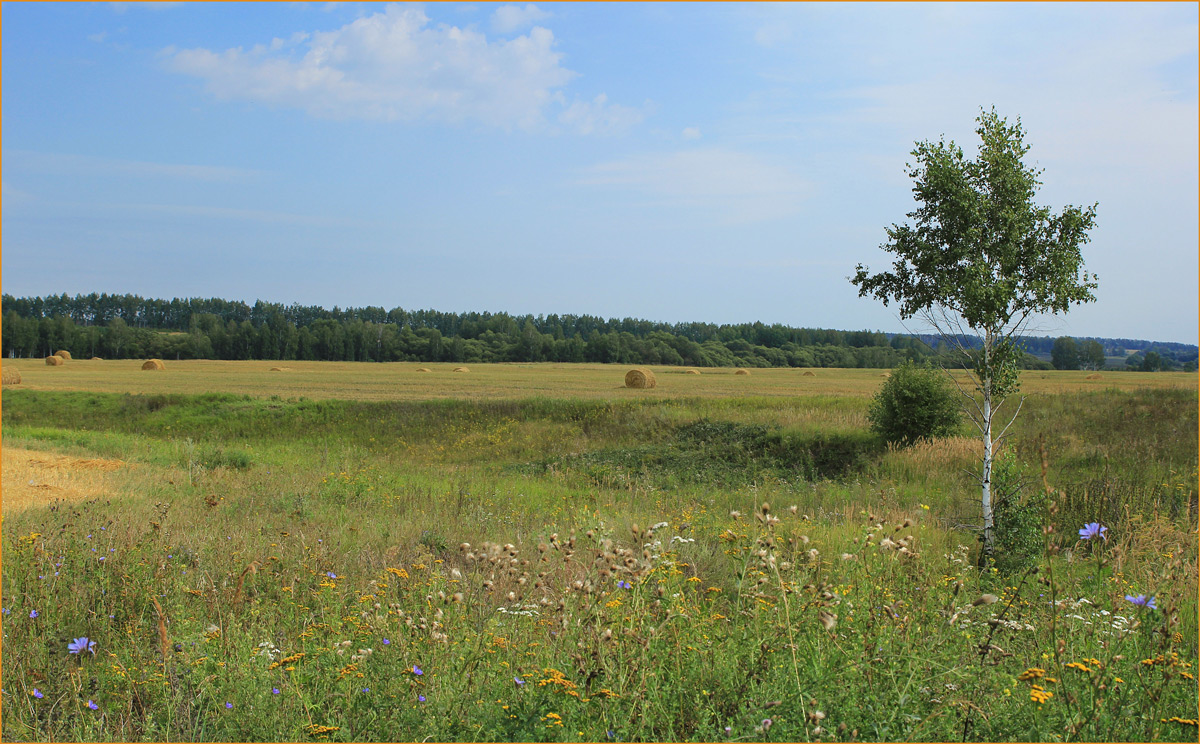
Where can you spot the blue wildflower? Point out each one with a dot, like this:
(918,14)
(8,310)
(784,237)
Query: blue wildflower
(1141,601)
(79,645)
(1093,529)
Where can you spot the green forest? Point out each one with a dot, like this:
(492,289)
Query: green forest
(129,326)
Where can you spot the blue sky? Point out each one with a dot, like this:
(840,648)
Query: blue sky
(675,162)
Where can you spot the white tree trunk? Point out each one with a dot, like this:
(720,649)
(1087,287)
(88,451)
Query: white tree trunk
(986,499)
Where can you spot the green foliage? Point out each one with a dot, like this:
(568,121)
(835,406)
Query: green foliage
(1065,354)
(1091,354)
(916,402)
(1019,512)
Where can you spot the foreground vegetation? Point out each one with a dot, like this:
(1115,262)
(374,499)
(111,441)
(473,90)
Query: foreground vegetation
(618,568)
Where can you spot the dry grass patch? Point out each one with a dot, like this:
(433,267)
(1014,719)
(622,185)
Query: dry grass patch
(32,478)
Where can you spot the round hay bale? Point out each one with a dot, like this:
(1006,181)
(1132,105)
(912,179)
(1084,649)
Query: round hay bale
(640,378)
(461,369)
(886,375)
(66,355)
(97,359)
(692,372)
(1094,376)
(281,369)
(740,371)
(54,361)
(423,369)
(10,376)
(808,373)
(153,364)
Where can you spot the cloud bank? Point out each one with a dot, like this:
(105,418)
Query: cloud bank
(397,66)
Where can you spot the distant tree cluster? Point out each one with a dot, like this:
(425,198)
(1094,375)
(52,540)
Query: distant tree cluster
(129,326)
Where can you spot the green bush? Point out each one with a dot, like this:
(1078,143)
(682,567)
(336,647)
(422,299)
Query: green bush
(1017,516)
(916,403)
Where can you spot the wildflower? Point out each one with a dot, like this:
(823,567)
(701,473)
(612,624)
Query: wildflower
(624,585)
(420,698)
(386,642)
(33,614)
(37,693)
(92,705)
(1141,601)
(331,574)
(519,681)
(274,690)
(417,671)
(1093,529)
(229,706)
(79,645)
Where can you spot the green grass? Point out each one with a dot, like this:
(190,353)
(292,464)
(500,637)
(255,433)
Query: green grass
(237,510)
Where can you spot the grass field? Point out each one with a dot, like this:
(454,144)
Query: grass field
(402,381)
(350,552)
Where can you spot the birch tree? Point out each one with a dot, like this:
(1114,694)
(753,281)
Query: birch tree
(981,261)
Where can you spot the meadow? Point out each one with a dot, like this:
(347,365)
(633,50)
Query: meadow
(353,552)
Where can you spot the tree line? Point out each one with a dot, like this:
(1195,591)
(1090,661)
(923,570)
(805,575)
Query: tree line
(129,326)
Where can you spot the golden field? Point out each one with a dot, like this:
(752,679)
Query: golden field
(402,381)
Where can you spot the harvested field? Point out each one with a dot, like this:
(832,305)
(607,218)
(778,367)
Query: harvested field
(37,478)
(397,381)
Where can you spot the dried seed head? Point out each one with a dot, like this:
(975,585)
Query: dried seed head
(828,619)
(986,599)
(793,508)
(735,514)
(606,635)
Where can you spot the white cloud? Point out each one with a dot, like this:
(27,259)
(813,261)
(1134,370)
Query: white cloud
(598,116)
(509,18)
(691,133)
(98,37)
(397,66)
(732,186)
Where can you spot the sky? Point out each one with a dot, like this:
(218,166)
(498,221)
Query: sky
(675,162)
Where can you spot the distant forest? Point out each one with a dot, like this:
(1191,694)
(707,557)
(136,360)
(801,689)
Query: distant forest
(129,326)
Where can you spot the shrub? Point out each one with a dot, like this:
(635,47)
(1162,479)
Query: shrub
(1017,516)
(915,403)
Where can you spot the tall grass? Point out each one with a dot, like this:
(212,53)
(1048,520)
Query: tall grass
(621,578)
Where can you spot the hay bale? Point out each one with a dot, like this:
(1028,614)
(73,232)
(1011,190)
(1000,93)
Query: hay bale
(66,355)
(640,378)
(1094,376)
(54,361)
(461,369)
(153,364)
(10,376)
(885,375)
(97,359)
(692,372)
(808,373)
(740,371)
(281,369)
(424,369)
